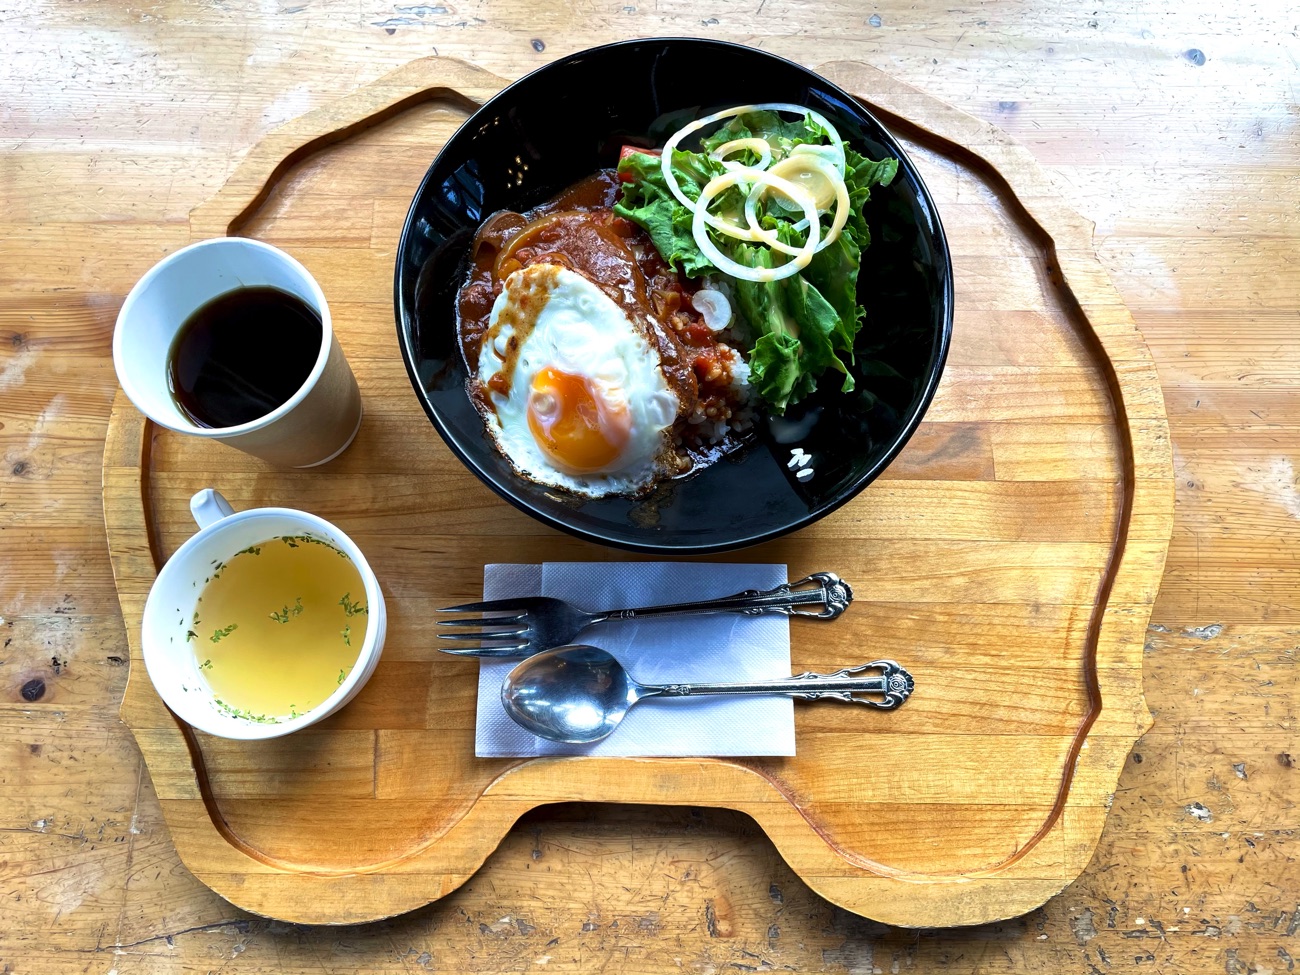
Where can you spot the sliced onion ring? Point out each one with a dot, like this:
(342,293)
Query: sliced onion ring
(770,237)
(713,307)
(666,160)
(725,264)
(797,168)
(731,229)
(758,146)
(837,225)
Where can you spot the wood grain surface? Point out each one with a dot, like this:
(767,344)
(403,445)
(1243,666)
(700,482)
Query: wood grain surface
(1171,126)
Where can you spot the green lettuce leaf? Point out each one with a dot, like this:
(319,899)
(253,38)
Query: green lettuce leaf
(860,174)
(833,271)
(795,330)
(818,327)
(770,126)
(648,203)
(803,325)
(774,369)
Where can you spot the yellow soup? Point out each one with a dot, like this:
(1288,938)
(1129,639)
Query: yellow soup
(279,626)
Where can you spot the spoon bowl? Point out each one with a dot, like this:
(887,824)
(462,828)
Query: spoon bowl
(577,694)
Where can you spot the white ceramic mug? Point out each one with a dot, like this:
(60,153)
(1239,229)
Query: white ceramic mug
(313,426)
(170,660)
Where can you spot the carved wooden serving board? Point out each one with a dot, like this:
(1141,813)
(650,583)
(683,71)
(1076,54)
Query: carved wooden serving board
(1009,558)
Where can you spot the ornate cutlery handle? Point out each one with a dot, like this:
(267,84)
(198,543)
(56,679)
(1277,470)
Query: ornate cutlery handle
(824,589)
(893,685)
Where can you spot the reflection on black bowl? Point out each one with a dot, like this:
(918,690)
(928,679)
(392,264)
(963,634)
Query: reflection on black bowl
(565,121)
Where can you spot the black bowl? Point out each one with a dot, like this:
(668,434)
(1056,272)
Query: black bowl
(565,121)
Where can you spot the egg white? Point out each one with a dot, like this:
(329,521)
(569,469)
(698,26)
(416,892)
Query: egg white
(581,331)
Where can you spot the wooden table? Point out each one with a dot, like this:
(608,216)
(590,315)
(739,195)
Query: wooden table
(1172,126)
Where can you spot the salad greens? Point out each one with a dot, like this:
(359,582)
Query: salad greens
(802,325)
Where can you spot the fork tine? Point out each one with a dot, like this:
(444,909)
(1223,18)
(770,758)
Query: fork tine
(486,607)
(482,620)
(488,635)
(518,650)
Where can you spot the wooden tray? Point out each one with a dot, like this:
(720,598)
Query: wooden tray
(1009,557)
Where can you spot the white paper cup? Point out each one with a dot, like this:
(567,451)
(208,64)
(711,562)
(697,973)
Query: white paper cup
(315,425)
(171,661)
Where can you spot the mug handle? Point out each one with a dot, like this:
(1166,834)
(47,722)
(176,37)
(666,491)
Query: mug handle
(208,507)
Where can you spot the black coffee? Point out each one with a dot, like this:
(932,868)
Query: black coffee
(242,355)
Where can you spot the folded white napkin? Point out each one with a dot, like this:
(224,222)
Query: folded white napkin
(718,647)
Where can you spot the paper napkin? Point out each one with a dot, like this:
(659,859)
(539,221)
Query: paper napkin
(717,647)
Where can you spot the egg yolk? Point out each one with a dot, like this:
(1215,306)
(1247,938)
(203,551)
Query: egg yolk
(573,423)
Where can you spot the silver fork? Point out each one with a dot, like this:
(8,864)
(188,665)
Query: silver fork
(527,625)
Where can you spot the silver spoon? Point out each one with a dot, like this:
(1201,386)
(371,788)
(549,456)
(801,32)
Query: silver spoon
(580,694)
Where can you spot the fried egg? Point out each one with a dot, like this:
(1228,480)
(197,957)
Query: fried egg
(574,395)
